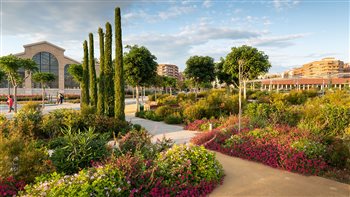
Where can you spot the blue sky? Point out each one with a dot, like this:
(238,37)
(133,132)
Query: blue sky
(290,32)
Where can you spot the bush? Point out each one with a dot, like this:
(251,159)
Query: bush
(102,181)
(188,162)
(311,148)
(79,149)
(168,100)
(338,154)
(326,119)
(174,118)
(59,119)
(31,106)
(193,112)
(104,124)
(9,186)
(27,121)
(164,111)
(136,141)
(151,115)
(21,158)
(181,97)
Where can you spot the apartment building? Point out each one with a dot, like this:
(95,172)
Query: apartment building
(169,70)
(325,67)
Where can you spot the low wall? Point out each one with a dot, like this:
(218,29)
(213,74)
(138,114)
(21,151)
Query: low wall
(34,91)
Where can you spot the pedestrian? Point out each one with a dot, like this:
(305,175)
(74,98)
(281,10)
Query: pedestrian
(61,98)
(10,103)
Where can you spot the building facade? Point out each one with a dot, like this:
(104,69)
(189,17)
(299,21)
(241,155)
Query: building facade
(169,70)
(325,67)
(49,58)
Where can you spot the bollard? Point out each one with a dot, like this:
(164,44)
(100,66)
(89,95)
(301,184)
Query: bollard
(210,126)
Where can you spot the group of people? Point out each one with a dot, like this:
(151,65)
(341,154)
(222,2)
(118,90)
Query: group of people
(9,101)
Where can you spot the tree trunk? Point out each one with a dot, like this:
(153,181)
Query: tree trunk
(133,93)
(137,99)
(15,98)
(171,92)
(43,96)
(142,94)
(245,89)
(240,107)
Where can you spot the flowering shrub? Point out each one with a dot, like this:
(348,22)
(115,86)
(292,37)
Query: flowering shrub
(9,186)
(272,147)
(196,173)
(100,181)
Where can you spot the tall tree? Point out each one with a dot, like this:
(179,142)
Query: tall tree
(85,83)
(92,72)
(200,69)
(43,78)
(247,62)
(101,83)
(140,68)
(11,65)
(169,82)
(119,73)
(109,73)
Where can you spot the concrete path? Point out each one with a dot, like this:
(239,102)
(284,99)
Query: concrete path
(160,129)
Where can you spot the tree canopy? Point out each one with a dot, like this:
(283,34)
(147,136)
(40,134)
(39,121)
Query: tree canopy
(140,66)
(253,62)
(222,76)
(200,69)
(43,77)
(76,71)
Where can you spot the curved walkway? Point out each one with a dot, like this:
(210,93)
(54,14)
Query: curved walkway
(247,178)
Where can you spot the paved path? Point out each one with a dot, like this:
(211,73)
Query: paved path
(247,178)
(160,129)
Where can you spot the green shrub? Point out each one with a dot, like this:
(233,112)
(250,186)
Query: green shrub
(59,119)
(28,122)
(311,148)
(104,124)
(140,114)
(31,106)
(258,113)
(191,96)
(79,150)
(164,111)
(338,153)
(181,97)
(151,115)
(233,140)
(174,118)
(137,141)
(168,100)
(194,112)
(326,119)
(196,161)
(21,158)
(103,181)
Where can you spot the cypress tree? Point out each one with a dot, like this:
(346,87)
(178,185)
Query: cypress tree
(109,74)
(101,84)
(119,75)
(92,72)
(85,82)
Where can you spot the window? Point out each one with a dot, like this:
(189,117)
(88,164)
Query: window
(46,63)
(68,79)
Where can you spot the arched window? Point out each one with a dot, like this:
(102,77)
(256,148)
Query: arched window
(47,63)
(69,82)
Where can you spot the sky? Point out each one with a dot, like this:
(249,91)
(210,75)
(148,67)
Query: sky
(290,32)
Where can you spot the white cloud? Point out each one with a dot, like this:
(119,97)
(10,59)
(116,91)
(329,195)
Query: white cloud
(282,4)
(207,3)
(276,41)
(175,11)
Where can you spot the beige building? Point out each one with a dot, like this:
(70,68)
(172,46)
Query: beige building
(325,67)
(49,58)
(169,70)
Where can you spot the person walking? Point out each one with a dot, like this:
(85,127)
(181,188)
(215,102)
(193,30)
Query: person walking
(61,98)
(10,103)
